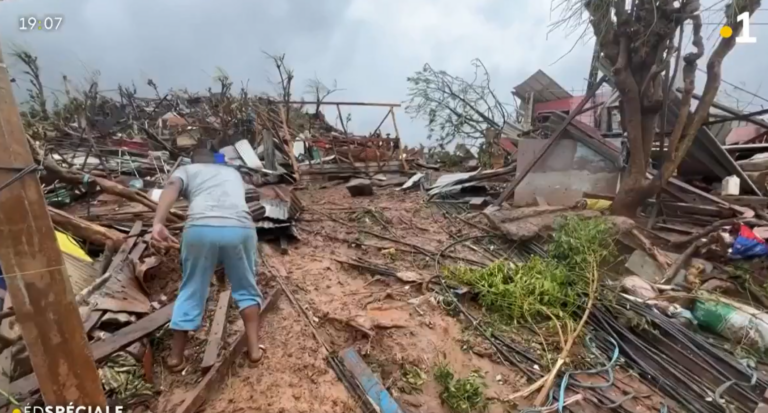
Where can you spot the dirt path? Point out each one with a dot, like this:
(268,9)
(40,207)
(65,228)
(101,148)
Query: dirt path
(392,324)
(294,376)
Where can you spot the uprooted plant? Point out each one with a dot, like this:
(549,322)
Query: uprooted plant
(542,288)
(559,286)
(460,395)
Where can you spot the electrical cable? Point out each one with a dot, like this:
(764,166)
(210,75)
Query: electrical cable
(24,172)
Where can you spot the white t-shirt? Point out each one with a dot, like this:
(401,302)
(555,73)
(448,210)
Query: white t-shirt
(216,195)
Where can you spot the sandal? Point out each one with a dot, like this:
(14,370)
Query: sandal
(179,368)
(254,363)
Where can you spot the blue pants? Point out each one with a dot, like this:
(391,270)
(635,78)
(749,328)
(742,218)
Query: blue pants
(202,249)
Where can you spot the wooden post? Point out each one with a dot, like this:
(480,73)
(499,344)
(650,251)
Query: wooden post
(35,274)
(399,140)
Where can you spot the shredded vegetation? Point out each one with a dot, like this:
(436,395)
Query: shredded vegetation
(542,288)
(462,395)
(411,380)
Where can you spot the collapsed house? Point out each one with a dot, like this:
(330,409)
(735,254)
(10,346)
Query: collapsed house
(593,164)
(103,175)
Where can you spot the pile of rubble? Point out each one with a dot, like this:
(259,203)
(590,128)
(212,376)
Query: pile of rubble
(682,305)
(103,163)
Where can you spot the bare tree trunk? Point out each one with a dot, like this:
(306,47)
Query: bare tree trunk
(638,82)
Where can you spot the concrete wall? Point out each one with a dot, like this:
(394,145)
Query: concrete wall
(567,171)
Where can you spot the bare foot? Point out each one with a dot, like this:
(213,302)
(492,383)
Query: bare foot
(175,360)
(251,320)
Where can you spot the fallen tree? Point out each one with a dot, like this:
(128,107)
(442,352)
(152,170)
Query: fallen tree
(455,109)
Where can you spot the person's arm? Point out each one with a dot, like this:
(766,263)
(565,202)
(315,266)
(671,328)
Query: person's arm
(167,198)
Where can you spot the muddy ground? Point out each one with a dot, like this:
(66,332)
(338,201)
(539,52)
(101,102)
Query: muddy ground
(391,323)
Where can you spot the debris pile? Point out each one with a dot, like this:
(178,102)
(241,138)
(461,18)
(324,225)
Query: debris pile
(507,285)
(104,160)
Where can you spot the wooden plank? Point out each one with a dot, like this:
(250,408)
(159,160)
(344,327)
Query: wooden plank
(747,201)
(28,385)
(383,105)
(42,298)
(762,407)
(216,375)
(217,331)
(704,210)
(126,248)
(6,357)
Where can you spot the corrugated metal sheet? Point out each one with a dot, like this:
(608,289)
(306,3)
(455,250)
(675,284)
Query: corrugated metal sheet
(265,223)
(276,209)
(450,178)
(81,274)
(543,87)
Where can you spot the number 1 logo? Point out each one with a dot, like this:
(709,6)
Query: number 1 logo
(744,37)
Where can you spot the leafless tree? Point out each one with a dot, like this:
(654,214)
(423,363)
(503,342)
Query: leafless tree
(638,40)
(285,82)
(455,108)
(319,91)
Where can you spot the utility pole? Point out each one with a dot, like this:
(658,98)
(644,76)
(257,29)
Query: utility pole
(34,270)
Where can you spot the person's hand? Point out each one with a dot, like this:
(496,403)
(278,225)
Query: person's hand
(160,233)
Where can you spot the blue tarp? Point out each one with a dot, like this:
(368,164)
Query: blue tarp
(748,245)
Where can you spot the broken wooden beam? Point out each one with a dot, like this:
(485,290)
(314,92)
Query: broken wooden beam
(93,318)
(217,332)
(35,273)
(75,177)
(101,350)
(88,231)
(117,262)
(216,375)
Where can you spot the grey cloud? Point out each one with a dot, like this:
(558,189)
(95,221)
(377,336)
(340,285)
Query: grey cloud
(369,46)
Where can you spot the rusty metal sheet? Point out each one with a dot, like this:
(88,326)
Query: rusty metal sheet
(123,292)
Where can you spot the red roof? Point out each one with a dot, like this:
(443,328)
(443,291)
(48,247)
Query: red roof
(508,145)
(742,134)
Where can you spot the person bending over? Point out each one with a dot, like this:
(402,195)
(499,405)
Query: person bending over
(219,228)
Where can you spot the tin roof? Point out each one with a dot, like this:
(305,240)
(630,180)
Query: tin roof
(543,87)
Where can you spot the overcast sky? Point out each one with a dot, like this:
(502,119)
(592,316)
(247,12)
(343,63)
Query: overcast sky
(368,46)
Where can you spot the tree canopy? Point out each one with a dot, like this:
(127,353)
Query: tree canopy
(454,108)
